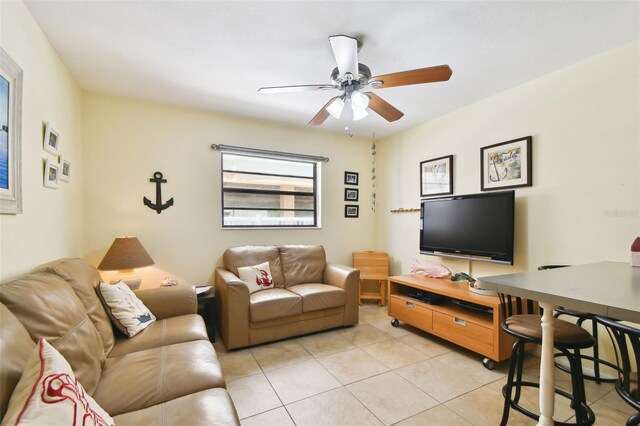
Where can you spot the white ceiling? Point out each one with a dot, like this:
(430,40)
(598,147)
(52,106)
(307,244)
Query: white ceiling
(215,55)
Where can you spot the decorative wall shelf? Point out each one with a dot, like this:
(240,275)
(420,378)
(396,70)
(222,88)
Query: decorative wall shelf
(401,210)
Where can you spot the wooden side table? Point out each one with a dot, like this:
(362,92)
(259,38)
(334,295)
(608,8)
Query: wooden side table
(207,309)
(373,266)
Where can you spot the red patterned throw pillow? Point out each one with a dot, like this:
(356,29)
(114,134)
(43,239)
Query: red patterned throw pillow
(48,393)
(257,277)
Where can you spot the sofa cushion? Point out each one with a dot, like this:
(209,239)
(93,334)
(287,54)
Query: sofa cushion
(256,277)
(141,379)
(127,312)
(237,257)
(83,278)
(48,307)
(207,407)
(316,297)
(16,347)
(185,328)
(302,264)
(274,303)
(49,393)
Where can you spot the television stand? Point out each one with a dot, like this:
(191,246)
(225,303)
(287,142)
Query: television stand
(461,317)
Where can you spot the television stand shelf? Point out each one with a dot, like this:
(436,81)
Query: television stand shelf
(475,326)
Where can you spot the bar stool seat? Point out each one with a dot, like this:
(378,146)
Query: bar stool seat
(564,333)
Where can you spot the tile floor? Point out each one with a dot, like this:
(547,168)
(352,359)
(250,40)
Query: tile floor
(373,374)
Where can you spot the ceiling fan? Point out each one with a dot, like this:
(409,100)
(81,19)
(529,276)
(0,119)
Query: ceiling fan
(354,79)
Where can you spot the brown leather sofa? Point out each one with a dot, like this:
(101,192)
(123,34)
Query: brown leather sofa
(168,374)
(309,295)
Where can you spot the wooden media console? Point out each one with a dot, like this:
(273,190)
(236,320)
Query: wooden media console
(467,319)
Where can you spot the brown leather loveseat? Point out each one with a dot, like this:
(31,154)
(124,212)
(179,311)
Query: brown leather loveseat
(309,294)
(168,374)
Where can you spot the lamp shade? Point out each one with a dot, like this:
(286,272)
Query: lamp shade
(125,253)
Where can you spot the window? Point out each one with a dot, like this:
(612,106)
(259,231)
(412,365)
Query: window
(269,192)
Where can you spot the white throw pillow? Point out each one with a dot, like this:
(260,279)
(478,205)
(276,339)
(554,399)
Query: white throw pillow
(127,312)
(257,277)
(48,393)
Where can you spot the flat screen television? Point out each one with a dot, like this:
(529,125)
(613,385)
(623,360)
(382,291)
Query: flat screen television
(475,227)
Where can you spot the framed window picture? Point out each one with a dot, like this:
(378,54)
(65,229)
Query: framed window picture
(51,142)
(351,194)
(51,174)
(65,169)
(10,135)
(436,176)
(351,210)
(350,178)
(506,164)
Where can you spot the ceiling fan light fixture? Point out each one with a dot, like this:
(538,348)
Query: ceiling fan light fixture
(336,107)
(359,114)
(359,102)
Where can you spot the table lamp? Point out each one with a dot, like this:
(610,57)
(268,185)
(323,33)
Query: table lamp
(125,254)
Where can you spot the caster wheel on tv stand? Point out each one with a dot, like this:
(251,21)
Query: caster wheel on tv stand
(395,322)
(489,364)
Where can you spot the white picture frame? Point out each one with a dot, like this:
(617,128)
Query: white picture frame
(51,174)
(10,135)
(65,169)
(51,141)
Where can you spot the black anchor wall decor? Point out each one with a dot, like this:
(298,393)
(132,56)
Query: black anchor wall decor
(158,206)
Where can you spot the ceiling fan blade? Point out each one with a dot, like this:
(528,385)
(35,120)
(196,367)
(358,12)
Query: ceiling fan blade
(322,115)
(419,76)
(345,50)
(302,88)
(383,108)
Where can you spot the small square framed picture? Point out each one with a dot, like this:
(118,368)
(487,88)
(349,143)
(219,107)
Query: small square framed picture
(51,174)
(51,142)
(65,169)
(351,194)
(351,210)
(350,178)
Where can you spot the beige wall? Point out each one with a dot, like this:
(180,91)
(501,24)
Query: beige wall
(585,200)
(584,205)
(52,221)
(126,141)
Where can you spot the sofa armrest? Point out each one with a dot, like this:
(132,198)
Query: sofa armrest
(167,302)
(232,298)
(347,279)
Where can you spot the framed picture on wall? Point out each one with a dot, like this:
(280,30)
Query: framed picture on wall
(351,194)
(10,135)
(506,164)
(51,142)
(351,210)
(65,169)
(436,176)
(350,178)
(51,174)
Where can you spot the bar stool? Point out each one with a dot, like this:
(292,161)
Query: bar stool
(521,319)
(595,359)
(627,340)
